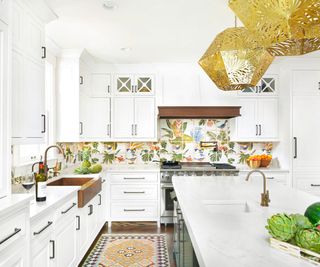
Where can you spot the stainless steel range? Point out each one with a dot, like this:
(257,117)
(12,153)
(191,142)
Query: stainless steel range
(169,169)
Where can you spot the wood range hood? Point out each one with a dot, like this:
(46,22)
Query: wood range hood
(199,112)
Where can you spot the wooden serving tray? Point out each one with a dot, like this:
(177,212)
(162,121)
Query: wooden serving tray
(296,251)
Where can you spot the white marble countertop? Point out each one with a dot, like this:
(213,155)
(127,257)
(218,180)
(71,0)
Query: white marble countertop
(56,195)
(13,201)
(133,168)
(227,235)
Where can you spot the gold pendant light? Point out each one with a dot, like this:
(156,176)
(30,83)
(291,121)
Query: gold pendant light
(235,60)
(285,27)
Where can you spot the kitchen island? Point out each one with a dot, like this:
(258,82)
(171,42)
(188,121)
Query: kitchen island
(226,223)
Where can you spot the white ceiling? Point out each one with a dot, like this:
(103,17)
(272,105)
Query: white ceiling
(155,30)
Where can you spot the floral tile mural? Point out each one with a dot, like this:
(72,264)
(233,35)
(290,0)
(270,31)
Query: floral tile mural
(180,140)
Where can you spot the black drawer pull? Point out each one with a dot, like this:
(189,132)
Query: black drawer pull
(270,178)
(127,210)
(64,212)
(53,249)
(78,226)
(90,209)
(16,230)
(44,52)
(131,192)
(100,199)
(315,185)
(103,181)
(44,228)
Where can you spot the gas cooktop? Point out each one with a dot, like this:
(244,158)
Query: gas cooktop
(196,166)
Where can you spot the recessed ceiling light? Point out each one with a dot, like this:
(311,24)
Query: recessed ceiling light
(126,49)
(109,5)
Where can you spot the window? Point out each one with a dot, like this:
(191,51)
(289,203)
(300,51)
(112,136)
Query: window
(26,154)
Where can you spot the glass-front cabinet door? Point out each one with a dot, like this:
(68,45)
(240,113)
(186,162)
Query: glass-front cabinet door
(267,86)
(124,84)
(134,84)
(144,85)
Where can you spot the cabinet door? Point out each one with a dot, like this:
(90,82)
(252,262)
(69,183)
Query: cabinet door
(4,10)
(101,207)
(144,118)
(306,131)
(101,85)
(15,257)
(84,116)
(306,82)
(82,235)
(268,85)
(247,128)
(92,214)
(268,118)
(97,125)
(144,84)
(124,84)
(41,253)
(18,32)
(65,245)
(123,117)
(84,79)
(17,96)
(33,100)
(34,33)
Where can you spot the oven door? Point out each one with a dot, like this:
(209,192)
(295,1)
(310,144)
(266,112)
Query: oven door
(167,203)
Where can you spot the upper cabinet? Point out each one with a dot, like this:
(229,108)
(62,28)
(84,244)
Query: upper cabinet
(101,85)
(133,84)
(259,113)
(267,86)
(4,11)
(28,85)
(134,118)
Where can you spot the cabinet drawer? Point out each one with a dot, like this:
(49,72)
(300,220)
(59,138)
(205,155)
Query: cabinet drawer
(134,178)
(136,211)
(41,227)
(309,185)
(67,209)
(134,192)
(13,229)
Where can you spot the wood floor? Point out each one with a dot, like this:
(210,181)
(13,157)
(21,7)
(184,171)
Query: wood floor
(138,228)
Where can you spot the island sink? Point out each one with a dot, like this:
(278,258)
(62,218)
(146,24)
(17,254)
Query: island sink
(227,206)
(90,187)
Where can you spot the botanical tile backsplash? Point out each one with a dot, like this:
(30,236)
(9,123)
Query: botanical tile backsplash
(179,140)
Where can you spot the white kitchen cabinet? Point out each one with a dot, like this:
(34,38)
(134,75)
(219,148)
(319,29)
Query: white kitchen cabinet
(305,130)
(133,196)
(5,123)
(134,84)
(101,85)
(267,86)
(258,120)
(123,117)
(65,235)
(134,118)
(4,11)
(95,118)
(15,257)
(29,124)
(14,235)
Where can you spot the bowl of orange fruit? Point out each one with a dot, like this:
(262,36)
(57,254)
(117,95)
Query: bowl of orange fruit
(254,161)
(265,160)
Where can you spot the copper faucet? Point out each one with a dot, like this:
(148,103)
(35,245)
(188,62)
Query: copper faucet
(265,195)
(46,157)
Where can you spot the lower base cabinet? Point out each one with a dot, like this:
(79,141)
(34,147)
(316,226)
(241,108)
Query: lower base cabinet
(15,257)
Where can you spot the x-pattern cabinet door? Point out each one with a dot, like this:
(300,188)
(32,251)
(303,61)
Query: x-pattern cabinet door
(124,84)
(144,85)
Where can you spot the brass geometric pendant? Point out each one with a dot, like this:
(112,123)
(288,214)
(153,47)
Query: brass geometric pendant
(235,60)
(285,27)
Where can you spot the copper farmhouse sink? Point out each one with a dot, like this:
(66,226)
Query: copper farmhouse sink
(90,187)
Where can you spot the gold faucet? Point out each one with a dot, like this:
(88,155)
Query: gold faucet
(46,157)
(265,195)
